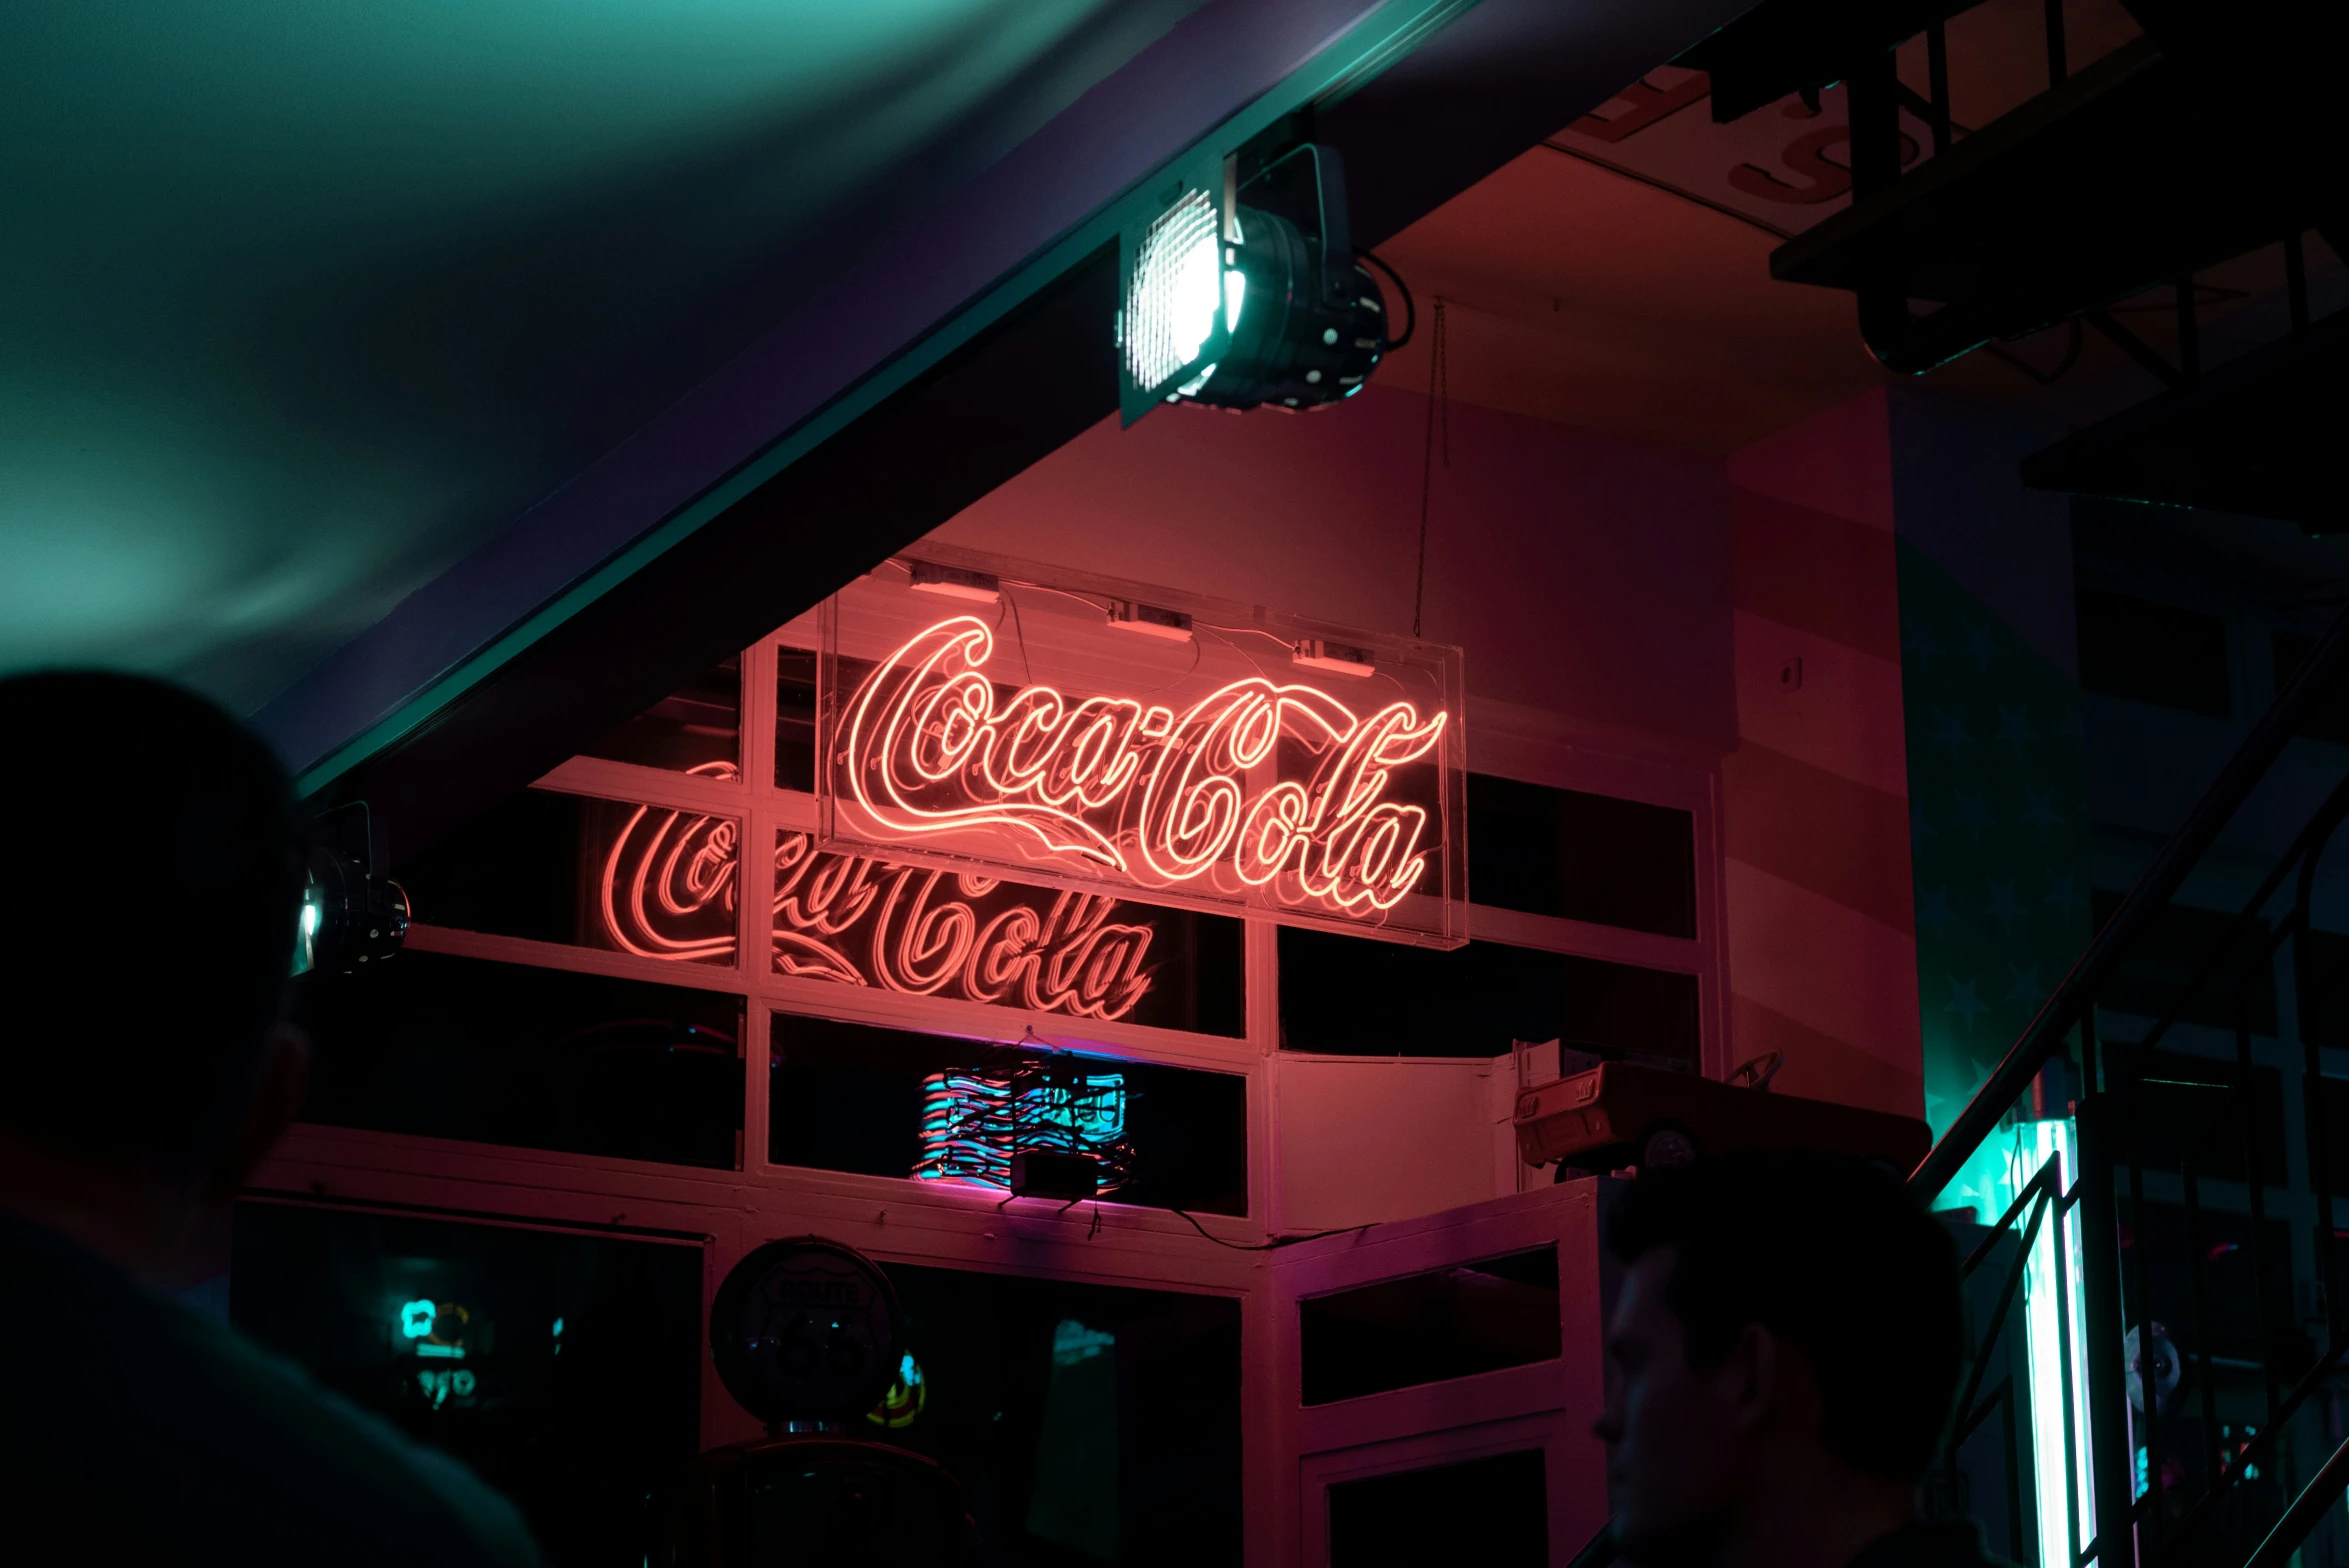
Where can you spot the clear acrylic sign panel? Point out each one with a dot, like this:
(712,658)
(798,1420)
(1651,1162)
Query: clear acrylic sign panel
(991,717)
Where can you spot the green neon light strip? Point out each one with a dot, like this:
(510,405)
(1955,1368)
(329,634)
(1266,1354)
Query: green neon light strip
(1369,47)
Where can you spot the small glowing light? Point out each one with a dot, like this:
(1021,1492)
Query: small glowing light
(1235,292)
(558,1328)
(447,1352)
(1073,1342)
(462,1383)
(1175,291)
(906,1397)
(416,1319)
(2055,1329)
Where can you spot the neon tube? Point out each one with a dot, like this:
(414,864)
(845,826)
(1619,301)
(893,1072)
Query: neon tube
(1117,786)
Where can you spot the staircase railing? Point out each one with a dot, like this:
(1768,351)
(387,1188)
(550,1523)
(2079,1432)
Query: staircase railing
(2140,1487)
(2143,1516)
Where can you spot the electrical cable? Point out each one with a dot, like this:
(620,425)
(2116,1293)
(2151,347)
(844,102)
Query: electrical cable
(1027,670)
(1021,582)
(1197,650)
(1410,305)
(1439,396)
(1263,1246)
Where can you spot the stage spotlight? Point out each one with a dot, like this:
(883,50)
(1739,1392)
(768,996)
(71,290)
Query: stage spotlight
(1264,302)
(1173,296)
(350,916)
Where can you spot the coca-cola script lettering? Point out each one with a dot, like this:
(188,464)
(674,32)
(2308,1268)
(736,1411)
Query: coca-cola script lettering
(669,884)
(1259,790)
(942,933)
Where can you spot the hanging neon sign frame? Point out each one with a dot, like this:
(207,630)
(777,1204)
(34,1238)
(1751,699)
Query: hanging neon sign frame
(983,715)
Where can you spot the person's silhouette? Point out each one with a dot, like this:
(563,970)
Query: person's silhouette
(147,924)
(1782,1359)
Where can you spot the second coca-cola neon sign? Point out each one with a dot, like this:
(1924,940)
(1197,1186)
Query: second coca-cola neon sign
(1242,781)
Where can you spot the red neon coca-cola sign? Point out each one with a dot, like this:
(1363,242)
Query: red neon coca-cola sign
(1219,764)
(669,880)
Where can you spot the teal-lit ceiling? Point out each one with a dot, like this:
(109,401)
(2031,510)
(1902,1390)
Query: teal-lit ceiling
(300,300)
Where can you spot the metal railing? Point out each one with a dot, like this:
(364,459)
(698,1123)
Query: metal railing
(2147,1518)
(2150,1506)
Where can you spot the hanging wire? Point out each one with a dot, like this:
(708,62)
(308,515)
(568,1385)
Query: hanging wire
(1273,1245)
(1410,305)
(1439,416)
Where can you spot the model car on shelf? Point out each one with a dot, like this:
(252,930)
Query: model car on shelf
(1622,1114)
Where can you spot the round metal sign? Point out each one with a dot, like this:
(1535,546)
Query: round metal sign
(805,1329)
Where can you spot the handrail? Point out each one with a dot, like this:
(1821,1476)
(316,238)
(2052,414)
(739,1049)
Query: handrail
(1598,1551)
(2070,1000)
(2069,1004)
(2306,1510)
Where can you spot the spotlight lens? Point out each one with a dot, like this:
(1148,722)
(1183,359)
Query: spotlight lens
(306,932)
(1176,290)
(1235,290)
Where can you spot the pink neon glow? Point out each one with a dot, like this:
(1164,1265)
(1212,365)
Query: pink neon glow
(664,869)
(1138,790)
(852,920)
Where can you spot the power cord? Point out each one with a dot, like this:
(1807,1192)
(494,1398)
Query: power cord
(1263,1246)
(1410,305)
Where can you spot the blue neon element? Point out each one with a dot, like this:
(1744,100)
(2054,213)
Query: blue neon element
(450,1352)
(907,1372)
(1073,1342)
(971,1124)
(416,1318)
(439,1385)
(558,1328)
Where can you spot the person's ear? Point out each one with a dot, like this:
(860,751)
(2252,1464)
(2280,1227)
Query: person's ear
(276,1101)
(1750,1377)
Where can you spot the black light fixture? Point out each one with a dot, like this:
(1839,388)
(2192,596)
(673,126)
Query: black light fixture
(1257,300)
(351,916)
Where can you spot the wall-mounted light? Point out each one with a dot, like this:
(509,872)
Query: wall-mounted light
(1259,300)
(1171,323)
(1149,620)
(1337,658)
(351,917)
(955,582)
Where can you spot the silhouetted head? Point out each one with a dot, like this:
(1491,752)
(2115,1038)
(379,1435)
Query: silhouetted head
(1781,1315)
(147,919)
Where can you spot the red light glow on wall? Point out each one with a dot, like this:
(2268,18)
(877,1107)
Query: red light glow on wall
(1215,766)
